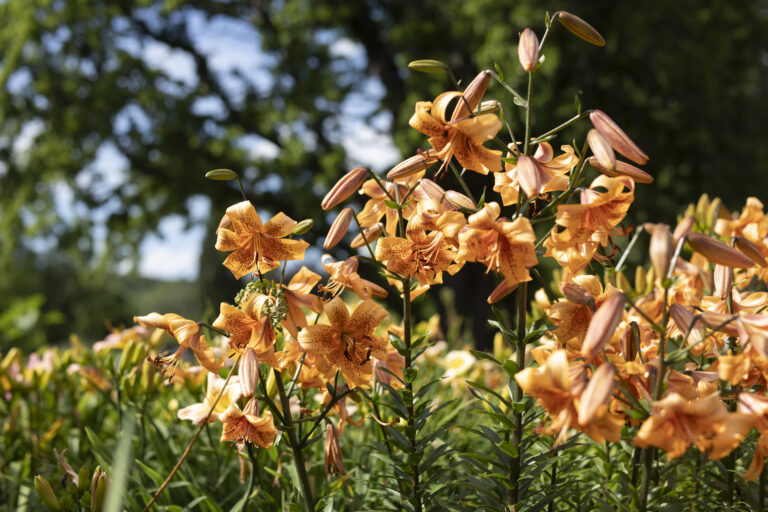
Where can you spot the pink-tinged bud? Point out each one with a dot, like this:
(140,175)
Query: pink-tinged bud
(251,408)
(459,200)
(750,250)
(616,137)
(249,372)
(721,322)
(334,463)
(580,28)
(413,165)
(686,321)
(528,175)
(723,280)
(577,294)
(376,290)
(602,150)
(528,50)
(598,393)
(718,252)
(345,187)
(338,228)
(431,190)
(371,234)
(622,169)
(99,485)
(603,325)
(661,249)
(472,95)
(683,228)
(501,291)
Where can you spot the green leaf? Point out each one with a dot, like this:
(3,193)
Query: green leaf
(509,448)
(120,468)
(222,175)
(498,71)
(391,204)
(484,355)
(510,367)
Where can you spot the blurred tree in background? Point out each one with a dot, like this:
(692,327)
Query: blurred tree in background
(110,112)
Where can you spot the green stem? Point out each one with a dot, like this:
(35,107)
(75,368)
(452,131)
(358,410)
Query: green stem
(462,182)
(575,119)
(517,418)
(528,112)
(252,480)
(761,491)
(410,418)
(298,455)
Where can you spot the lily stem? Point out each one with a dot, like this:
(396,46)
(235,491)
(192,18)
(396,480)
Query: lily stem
(298,455)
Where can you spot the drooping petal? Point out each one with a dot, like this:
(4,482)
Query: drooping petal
(279,226)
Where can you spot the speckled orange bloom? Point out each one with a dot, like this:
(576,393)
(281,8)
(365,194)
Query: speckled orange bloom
(256,246)
(349,342)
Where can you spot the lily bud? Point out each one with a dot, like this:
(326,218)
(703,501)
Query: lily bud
(683,228)
(472,95)
(723,280)
(528,50)
(580,28)
(622,169)
(718,252)
(501,291)
(685,321)
(427,66)
(345,187)
(376,290)
(46,494)
(630,342)
(222,175)
(413,165)
(249,372)
(528,175)
(431,190)
(303,227)
(750,250)
(616,137)
(370,234)
(460,200)
(338,228)
(577,294)
(99,484)
(662,249)
(598,392)
(489,107)
(602,150)
(603,325)
(334,463)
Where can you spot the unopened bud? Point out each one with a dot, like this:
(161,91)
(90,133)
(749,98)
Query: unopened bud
(251,407)
(431,190)
(661,249)
(750,250)
(630,341)
(718,252)
(721,322)
(303,227)
(489,107)
(472,95)
(370,234)
(376,290)
(99,484)
(528,175)
(602,150)
(577,294)
(528,50)
(685,322)
(616,137)
(82,478)
(502,290)
(723,280)
(683,228)
(580,28)
(334,463)
(597,393)
(249,372)
(338,228)
(603,325)
(46,494)
(345,187)
(621,169)
(126,357)
(427,66)
(222,175)
(413,165)
(459,200)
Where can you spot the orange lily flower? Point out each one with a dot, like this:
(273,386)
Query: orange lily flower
(572,319)
(248,327)
(343,274)
(461,138)
(349,342)
(187,333)
(676,423)
(247,426)
(503,246)
(256,246)
(375,208)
